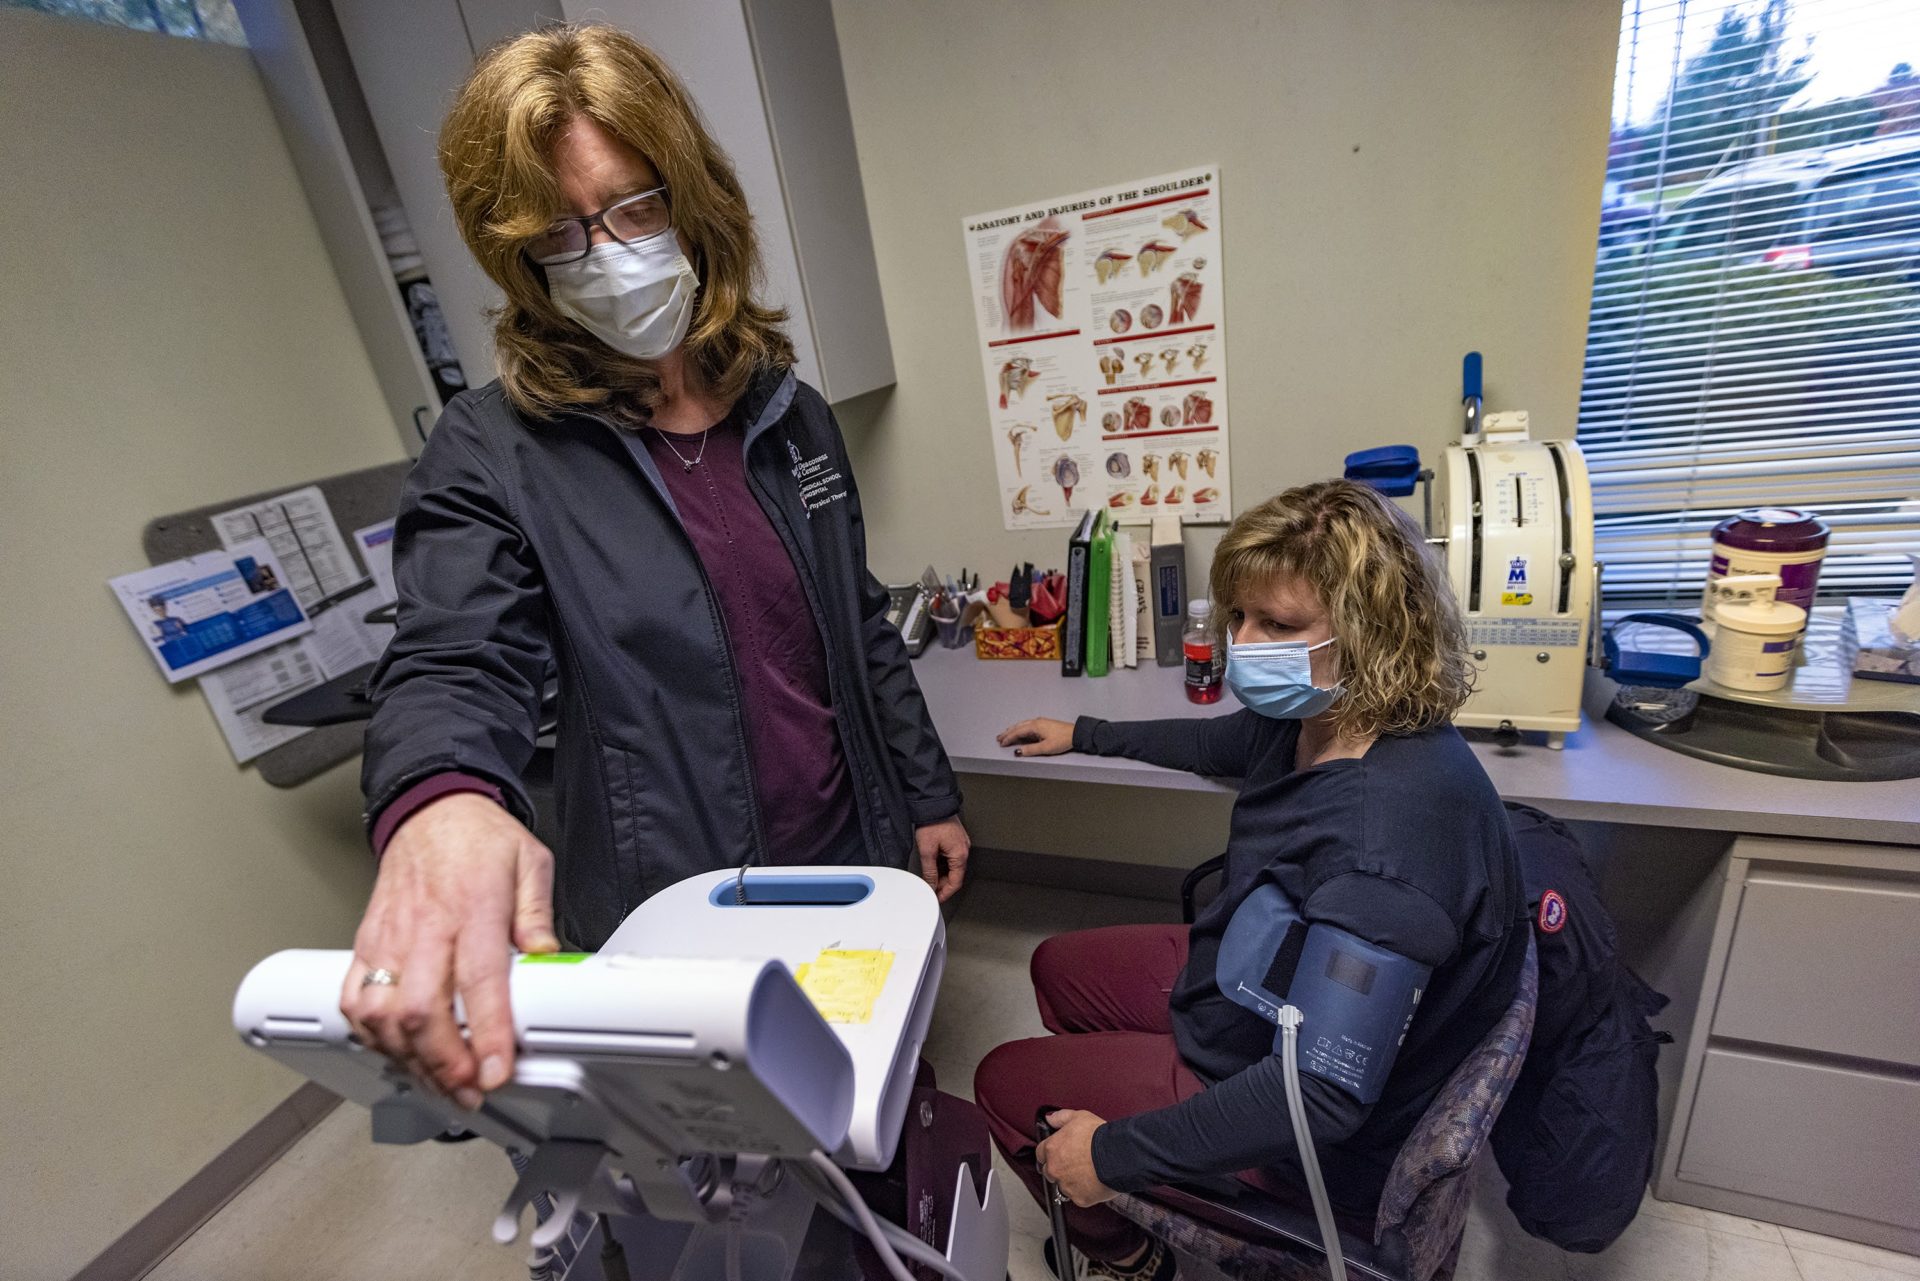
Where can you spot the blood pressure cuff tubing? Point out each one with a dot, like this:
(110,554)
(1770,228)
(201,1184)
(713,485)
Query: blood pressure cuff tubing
(1356,997)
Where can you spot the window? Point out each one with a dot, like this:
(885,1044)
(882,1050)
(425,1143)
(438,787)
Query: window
(197,19)
(1754,337)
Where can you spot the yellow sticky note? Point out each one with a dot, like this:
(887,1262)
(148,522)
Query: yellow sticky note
(843,985)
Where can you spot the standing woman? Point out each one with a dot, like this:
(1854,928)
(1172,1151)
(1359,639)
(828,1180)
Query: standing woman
(648,504)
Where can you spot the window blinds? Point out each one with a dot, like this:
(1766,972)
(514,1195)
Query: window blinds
(1754,338)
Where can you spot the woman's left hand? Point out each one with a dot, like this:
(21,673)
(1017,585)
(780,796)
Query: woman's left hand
(1066,1157)
(947,840)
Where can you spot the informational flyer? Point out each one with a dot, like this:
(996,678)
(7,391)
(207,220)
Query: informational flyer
(240,692)
(301,529)
(376,549)
(207,611)
(1105,351)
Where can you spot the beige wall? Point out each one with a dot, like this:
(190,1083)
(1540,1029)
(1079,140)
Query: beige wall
(1404,180)
(171,333)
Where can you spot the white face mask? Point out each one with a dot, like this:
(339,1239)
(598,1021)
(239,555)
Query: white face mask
(635,298)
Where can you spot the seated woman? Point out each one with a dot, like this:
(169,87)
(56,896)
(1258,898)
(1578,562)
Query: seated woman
(1362,805)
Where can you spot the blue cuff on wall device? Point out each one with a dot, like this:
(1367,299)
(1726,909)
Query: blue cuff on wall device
(1391,469)
(1357,998)
(1651,668)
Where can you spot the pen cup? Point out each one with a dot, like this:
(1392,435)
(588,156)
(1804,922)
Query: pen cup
(952,634)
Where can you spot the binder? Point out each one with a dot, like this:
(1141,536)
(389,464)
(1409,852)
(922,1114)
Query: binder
(1099,595)
(1169,590)
(1073,635)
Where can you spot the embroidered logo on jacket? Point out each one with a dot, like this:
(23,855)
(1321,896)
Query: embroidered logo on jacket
(820,481)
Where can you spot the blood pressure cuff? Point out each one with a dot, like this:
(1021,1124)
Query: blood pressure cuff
(1356,998)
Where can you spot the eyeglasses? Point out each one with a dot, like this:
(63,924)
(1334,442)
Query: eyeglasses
(634,218)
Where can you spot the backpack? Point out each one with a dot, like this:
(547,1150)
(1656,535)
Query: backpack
(1576,1137)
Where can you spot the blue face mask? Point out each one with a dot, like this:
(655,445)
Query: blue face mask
(1275,678)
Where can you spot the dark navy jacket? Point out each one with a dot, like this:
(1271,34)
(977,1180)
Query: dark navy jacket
(523,547)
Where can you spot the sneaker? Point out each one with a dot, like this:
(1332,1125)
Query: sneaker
(1157,1264)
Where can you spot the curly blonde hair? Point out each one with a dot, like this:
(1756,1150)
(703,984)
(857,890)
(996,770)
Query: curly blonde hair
(1403,651)
(496,154)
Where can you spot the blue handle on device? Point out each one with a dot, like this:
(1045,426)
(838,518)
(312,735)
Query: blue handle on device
(1391,469)
(1660,671)
(778,890)
(1470,376)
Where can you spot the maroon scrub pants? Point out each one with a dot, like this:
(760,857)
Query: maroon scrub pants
(1103,994)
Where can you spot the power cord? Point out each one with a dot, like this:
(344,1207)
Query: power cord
(839,1197)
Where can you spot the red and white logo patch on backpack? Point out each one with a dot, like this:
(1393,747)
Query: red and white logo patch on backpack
(1553,912)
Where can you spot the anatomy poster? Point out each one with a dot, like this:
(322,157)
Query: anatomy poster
(1105,349)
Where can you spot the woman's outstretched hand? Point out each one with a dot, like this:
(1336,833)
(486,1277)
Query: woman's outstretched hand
(1038,737)
(461,885)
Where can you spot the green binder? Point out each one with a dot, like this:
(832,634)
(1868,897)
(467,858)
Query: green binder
(1099,593)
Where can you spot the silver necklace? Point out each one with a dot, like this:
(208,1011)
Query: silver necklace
(686,464)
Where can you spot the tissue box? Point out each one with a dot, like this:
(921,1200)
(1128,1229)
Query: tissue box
(1877,653)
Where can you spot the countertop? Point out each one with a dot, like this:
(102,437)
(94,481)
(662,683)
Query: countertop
(1603,774)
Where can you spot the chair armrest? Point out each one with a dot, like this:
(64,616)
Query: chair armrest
(1191,882)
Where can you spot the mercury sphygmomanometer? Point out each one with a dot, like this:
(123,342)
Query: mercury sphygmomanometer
(1355,999)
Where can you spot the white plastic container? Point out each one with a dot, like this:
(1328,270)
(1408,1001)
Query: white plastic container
(1754,644)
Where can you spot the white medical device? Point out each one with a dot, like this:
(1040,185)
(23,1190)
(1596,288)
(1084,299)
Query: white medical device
(1515,516)
(681,1073)
(1513,521)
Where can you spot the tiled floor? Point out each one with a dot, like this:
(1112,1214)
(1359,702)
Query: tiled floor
(337,1206)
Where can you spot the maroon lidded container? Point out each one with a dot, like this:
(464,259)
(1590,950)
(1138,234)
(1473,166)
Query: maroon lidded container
(1770,540)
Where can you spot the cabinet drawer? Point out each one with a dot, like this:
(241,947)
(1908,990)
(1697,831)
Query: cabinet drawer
(1825,964)
(1808,1134)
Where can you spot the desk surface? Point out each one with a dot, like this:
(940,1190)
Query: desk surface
(1604,774)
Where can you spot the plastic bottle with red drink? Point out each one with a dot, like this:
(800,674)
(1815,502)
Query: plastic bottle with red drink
(1202,649)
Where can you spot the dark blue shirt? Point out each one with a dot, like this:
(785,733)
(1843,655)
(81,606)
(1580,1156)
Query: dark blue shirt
(1407,847)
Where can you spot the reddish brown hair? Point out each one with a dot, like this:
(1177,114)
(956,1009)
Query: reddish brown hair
(496,152)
